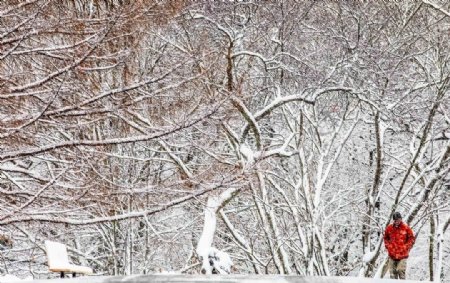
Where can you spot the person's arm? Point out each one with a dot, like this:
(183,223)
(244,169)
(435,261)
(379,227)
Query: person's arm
(411,238)
(387,238)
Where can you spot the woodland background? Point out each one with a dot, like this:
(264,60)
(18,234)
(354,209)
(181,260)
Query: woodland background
(118,119)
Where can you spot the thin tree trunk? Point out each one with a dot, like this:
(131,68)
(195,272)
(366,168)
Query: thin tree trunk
(268,232)
(431,247)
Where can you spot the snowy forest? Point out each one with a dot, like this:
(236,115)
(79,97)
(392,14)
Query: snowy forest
(291,131)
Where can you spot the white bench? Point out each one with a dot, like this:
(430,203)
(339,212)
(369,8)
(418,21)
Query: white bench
(58,260)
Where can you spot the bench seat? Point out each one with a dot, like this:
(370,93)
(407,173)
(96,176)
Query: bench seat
(58,260)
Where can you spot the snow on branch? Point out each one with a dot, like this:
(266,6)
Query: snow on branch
(34,197)
(279,151)
(219,27)
(214,260)
(111,92)
(65,69)
(96,220)
(249,118)
(16,7)
(42,149)
(435,6)
(281,100)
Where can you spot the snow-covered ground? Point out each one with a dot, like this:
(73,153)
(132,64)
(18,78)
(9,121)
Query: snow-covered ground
(13,278)
(212,278)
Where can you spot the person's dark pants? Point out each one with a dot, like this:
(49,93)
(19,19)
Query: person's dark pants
(397,268)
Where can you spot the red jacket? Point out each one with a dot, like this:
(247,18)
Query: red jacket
(398,241)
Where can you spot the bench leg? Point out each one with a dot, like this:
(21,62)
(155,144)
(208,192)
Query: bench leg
(62,274)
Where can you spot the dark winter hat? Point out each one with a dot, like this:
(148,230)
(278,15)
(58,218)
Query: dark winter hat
(396,216)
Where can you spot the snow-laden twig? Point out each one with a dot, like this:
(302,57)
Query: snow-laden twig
(97,220)
(17,6)
(33,198)
(279,151)
(65,69)
(322,91)
(407,93)
(322,177)
(437,7)
(154,93)
(423,143)
(176,159)
(242,243)
(295,213)
(279,244)
(251,157)
(429,170)
(440,171)
(229,34)
(240,106)
(18,25)
(54,48)
(281,100)
(111,92)
(266,226)
(12,168)
(39,115)
(75,143)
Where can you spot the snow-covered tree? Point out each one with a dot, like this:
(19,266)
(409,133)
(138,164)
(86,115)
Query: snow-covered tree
(159,135)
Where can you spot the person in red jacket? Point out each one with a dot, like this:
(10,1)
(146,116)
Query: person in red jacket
(398,240)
